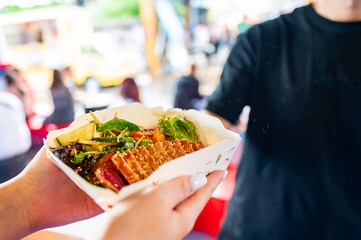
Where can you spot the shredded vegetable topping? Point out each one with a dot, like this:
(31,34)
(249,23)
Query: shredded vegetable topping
(106,154)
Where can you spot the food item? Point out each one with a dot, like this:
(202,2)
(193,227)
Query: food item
(85,133)
(139,163)
(118,152)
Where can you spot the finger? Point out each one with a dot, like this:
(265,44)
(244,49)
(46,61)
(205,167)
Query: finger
(192,207)
(178,189)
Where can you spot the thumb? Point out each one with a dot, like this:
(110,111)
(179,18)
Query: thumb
(193,206)
(180,188)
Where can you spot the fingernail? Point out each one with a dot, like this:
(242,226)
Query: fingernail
(225,174)
(197,181)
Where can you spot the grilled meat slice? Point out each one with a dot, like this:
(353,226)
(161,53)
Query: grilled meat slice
(152,151)
(148,158)
(105,161)
(161,149)
(134,164)
(178,148)
(145,165)
(170,150)
(139,163)
(197,145)
(123,167)
(186,146)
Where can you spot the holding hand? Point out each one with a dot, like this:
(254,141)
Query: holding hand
(43,196)
(166,211)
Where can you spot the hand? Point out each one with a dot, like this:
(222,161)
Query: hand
(56,199)
(166,211)
(43,196)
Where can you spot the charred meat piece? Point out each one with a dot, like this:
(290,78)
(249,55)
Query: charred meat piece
(113,171)
(109,179)
(145,165)
(197,145)
(156,154)
(170,150)
(178,148)
(140,163)
(186,146)
(161,149)
(124,169)
(104,162)
(148,158)
(134,164)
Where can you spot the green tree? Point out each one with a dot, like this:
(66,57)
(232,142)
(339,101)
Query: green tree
(118,8)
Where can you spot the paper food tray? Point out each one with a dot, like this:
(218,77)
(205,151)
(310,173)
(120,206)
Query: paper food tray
(220,147)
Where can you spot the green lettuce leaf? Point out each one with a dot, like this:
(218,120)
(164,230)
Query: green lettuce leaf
(178,128)
(118,124)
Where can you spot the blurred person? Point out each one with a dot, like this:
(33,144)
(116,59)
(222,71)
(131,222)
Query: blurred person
(215,41)
(299,177)
(187,94)
(245,24)
(26,88)
(128,89)
(67,75)
(42,196)
(15,138)
(14,88)
(63,102)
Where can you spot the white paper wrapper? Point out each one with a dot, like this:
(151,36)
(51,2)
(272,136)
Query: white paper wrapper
(220,147)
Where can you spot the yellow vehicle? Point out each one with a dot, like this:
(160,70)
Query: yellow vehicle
(101,59)
(37,41)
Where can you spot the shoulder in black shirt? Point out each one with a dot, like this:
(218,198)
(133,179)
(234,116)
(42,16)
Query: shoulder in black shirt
(300,174)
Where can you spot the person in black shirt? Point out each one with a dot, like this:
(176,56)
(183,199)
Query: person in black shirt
(300,173)
(187,91)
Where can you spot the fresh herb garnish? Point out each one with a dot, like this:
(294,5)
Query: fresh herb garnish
(145,142)
(128,146)
(118,124)
(178,128)
(78,158)
(113,140)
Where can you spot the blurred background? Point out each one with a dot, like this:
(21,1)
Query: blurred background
(64,58)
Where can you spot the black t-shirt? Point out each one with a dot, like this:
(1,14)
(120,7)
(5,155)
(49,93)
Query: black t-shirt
(300,174)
